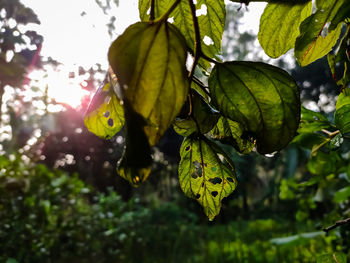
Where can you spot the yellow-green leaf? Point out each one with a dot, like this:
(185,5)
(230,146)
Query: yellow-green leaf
(279,26)
(312,43)
(204,176)
(105,114)
(149,60)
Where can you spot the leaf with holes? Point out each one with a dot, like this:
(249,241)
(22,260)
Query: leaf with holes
(211,16)
(160,8)
(149,60)
(231,132)
(262,98)
(311,44)
(105,114)
(279,26)
(203,115)
(204,175)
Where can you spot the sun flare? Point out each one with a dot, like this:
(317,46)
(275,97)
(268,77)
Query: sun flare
(61,88)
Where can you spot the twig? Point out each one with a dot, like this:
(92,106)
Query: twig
(151,15)
(337,224)
(197,43)
(330,134)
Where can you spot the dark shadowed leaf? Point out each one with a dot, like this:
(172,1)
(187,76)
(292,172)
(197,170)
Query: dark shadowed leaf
(149,60)
(135,164)
(105,114)
(279,26)
(231,132)
(203,115)
(262,98)
(204,175)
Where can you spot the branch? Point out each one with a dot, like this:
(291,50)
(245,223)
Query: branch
(337,224)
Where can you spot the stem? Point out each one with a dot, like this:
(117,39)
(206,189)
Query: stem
(330,134)
(337,224)
(197,44)
(201,85)
(151,15)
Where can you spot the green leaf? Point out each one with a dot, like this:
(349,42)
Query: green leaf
(211,25)
(262,98)
(322,163)
(135,164)
(311,44)
(203,115)
(336,257)
(231,132)
(312,121)
(105,114)
(309,140)
(342,195)
(342,113)
(204,176)
(279,26)
(149,60)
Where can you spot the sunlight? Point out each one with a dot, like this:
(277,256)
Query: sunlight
(61,88)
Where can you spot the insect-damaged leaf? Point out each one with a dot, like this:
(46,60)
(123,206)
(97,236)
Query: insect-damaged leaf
(279,26)
(312,43)
(105,114)
(211,16)
(231,132)
(262,98)
(204,176)
(160,7)
(135,165)
(203,115)
(149,60)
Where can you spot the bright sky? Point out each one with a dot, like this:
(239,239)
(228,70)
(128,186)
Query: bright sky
(84,40)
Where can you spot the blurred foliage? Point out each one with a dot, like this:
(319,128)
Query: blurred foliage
(50,216)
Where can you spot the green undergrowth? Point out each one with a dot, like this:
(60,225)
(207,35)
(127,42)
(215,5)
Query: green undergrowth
(50,216)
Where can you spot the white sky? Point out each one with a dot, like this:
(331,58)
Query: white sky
(74,40)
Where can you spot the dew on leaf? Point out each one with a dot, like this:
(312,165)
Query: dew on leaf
(215,180)
(110,122)
(214,193)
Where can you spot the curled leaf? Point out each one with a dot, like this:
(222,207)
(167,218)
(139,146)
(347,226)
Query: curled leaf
(105,114)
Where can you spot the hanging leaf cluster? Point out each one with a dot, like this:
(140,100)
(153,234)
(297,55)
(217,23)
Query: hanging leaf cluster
(251,106)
